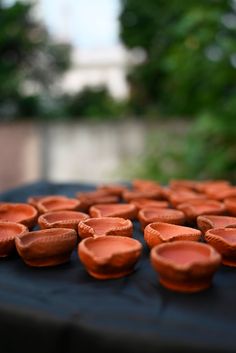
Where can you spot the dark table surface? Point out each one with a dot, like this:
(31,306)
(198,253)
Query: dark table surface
(63,310)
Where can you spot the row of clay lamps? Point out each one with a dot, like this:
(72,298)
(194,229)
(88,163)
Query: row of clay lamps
(189,226)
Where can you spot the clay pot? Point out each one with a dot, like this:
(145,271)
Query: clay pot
(61,219)
(149,215)
(48,247)
(112,189)
(202,186)
(8,232)
(185,266)
(19,213)
(230,204)
(194,208)
(216,193)
(182,184)
(57,203)
(90,198)
(224,241)
(109,257)
(141,203)
(179,197)
(127,211)
(137,194)
(157,233)
(105,226)
(33,200)
(209,222)
(144,185)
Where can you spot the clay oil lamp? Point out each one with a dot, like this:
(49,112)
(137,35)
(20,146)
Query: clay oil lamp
(185,266)
(90,198)
(217,193)
(8,232)
(157,233)
(19,213)
(105,226)
(33,200)
(141,203)
(57,203)
(144,185)
(178,197)
(150,215)
(47,247)
(109,257)
(202,186)
(194,208)
(113,189)
(224,241)
(230,204)
(182,184)
(61,219)
(208,222)
(144,194)
(123,210)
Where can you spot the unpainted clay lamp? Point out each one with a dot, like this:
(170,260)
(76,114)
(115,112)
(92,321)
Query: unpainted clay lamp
(123,210)
(138,194)
(141,203)
(230,204)
(216,193)
(224,241)
(202,186)
(185,266)
(178,197)
(8,232)
(113,189)
(182,184)
(57,203)
(109,257)
(105,226)
(19,213)
(33,200)
(149,215)
(194,208)
(145,184)
(90,198)
(208,222)
(158,233)
(47,247)
(61,219)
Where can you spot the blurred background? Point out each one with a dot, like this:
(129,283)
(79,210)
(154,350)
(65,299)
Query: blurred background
(110,90)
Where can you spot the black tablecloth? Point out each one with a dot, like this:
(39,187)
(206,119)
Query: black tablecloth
(64,310)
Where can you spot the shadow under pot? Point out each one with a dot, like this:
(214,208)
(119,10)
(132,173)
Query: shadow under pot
(224,241)
(48,247)
(185,266)
(8,232)
(19,213)
(109,257)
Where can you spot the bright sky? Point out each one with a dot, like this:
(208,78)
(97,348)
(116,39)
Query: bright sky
(86,23)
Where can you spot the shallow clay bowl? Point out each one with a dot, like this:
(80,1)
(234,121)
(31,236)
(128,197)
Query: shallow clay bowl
(185,266)
(90,198)
(208,222)
(19,213)
(141,203)
(109,257)
(48,247)
(224,241)
(124,210)
(194,208)
(143,185)
(58,203)
(157,233)
(202,186)
(33,200)
(112,189)
(61,219)
(105,226)
(178,197)
(230,204)
(216,193)
(150,215)
(138,194)
(8,232)
(181,184)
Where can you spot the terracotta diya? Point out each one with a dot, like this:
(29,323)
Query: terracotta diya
(105,226)
(185,266)
(109,257)
(181,184)
(208,222)
(141,203)
(19,213)
(48,247)
(158,232)
(216,193)
(178,197)
(194,208)
(202,186)
(149,215)
(90,198)
(127,211)
(113,189)
(224,241)
(137,194)
(8,232)
(230,204)
(33,200)
(61,219)
(57,203)
(145,184)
